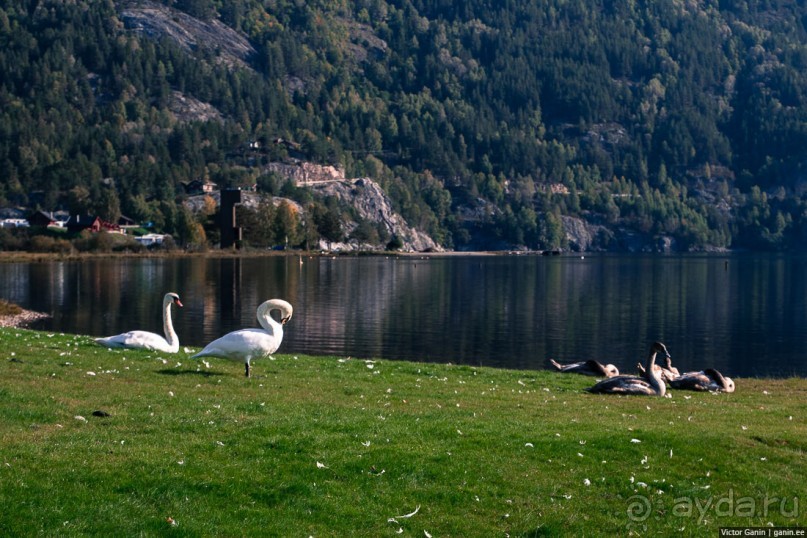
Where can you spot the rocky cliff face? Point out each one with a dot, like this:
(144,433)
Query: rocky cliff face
(159,21)
(364,195)
(304,173)
(585,236)
(372,204)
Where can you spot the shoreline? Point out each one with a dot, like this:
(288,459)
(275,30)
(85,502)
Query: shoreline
(26,318)
(27,257)
(23,320)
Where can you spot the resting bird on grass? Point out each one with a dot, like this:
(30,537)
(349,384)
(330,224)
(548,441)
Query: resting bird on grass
(589,367)
(667,373)
(708,380)
(145,339)
(247,344)
(650,384)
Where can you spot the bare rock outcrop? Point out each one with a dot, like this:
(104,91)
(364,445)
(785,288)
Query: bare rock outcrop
(158,21)
(583,236)
(364,195)
(372,204)
(305,173)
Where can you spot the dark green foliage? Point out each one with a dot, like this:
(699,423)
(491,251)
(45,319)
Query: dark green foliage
(654,116)
(328,221)
(395,243)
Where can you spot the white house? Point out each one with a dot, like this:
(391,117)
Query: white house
(14,223)
(150,239)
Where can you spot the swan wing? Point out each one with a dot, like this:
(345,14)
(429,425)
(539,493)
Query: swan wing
(691,381)
(137,340)
(708,380)
(622,385)
(242,345)
(571,367)
(589,367)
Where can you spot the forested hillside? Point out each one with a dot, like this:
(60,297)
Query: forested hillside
(488,124)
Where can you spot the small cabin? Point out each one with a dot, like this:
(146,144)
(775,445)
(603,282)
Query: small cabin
(79,223)
(40,219)
(197,186)
(126,222)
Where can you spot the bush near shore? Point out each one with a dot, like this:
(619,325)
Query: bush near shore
(101,442)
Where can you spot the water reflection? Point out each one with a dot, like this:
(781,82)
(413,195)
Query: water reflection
(743,314)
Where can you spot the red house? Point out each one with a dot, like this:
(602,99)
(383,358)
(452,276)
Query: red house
(79,223)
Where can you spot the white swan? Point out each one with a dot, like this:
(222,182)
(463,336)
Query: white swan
(589,367)
(147,340)
(705,380)
(247,344)
(650,384)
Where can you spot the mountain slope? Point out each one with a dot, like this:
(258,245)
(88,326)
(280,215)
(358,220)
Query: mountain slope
(486,125)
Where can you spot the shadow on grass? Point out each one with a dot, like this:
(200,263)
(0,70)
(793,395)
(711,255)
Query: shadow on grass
(166,371)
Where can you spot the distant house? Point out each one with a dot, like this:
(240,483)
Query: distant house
(13,223)
(40,219)
(79,223)
(197,186)
(126,222)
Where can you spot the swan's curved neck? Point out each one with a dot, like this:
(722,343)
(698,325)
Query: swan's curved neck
(717,377)
(653,377)
(168,326)
(598,367)
(267,321)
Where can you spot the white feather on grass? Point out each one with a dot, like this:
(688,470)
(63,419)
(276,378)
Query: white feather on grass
(405,516)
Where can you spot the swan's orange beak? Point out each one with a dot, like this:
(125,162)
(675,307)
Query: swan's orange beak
(285,320)
(177,302)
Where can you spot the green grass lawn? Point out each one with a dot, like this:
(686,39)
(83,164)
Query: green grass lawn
(327,446)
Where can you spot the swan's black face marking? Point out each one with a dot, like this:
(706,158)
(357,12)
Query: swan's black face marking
(285,320)
(176,299)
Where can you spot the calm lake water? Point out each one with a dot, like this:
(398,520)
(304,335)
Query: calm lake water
(744,314)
